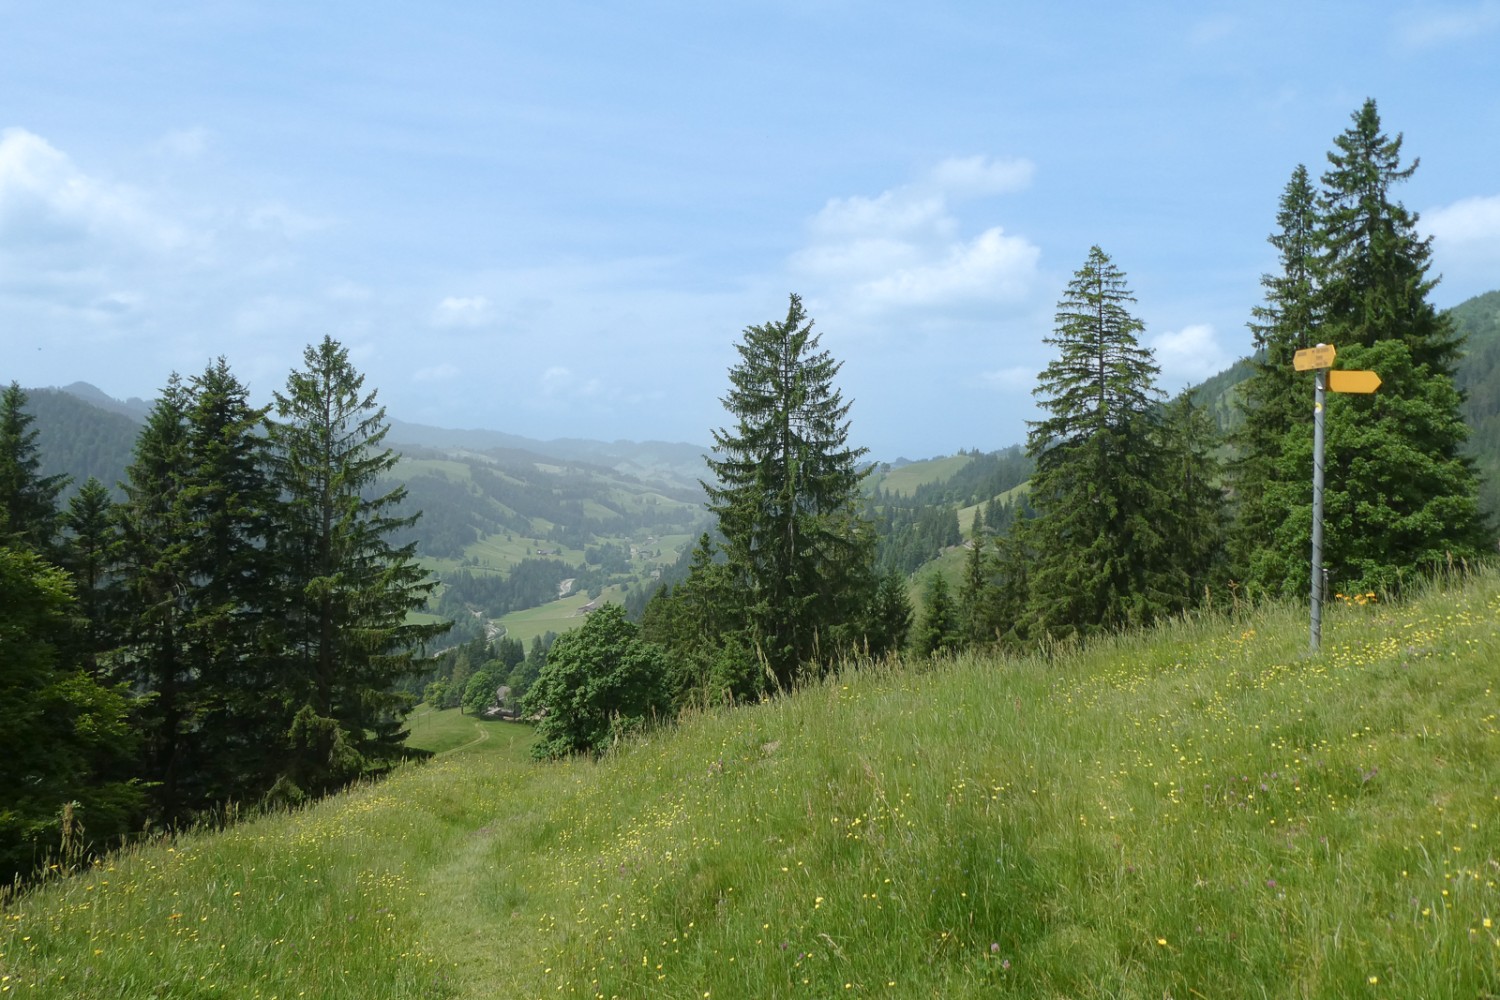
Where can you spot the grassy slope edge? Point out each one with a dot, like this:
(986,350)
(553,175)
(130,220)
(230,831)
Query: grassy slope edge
(1200,810)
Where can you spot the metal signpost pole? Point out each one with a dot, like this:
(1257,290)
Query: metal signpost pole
(1320,393)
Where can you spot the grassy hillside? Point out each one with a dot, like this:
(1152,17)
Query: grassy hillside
(904,480)
(1201,811)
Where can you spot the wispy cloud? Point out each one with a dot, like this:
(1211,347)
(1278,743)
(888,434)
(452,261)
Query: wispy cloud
(1466,241)
(1428,28)
(184,144)
(904,247)
(1189,355)
(47,202)
(1017,378)
(437,373)
(463,311)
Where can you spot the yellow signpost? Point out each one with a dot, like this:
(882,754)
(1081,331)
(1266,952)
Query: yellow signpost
(1355,381)
(1314,357)
(1318,360)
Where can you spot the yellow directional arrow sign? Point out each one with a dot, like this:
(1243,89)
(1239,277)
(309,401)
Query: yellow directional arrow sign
(1353,381)
(1313,357)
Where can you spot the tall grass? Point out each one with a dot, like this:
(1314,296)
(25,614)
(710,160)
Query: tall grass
(1202,810)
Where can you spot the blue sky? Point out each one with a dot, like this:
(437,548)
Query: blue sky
(556,219)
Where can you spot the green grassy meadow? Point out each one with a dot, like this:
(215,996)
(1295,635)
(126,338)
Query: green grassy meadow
(905,480)
(1203,810)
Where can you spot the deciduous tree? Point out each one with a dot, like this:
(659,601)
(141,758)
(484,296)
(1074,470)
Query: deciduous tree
(600,682)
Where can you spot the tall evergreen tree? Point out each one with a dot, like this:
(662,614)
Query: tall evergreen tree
(1276,400)
(1192,474)
(1401,497)
(155,566)
(1102,535)
(786,494)
(227,504)
(28,500)
(347,589)
(939,633)
(976,592)
(64,739)
(1415,501)
(92,554)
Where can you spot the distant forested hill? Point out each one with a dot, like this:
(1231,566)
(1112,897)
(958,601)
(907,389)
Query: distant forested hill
(503,527)
(79,439)
(1478,320)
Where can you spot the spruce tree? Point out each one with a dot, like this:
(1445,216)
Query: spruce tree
(28,500)
(1192,476)
(1406,499)
(939,633)
(1276,401)
(976,593)
(1101,539)
(156,568)
(346,589)
(227,503)
(1401,498)
(786,493)
(888,619)
(92,555)
(64,739)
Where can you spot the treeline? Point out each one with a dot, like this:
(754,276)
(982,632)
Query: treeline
(481,675)
(1133,512)
(912,530)
(231,632)
(1478,379)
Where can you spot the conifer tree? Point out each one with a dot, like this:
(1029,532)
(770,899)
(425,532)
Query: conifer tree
(28,500)
(92,554)
(346,588)
(154,564)
(1401,497)
(889,617)
(1192,474)
(1412,503)
(786,494)
(1276,400)
(939,631)
(227,504)
(63,738)
(1101,539)
(976,596)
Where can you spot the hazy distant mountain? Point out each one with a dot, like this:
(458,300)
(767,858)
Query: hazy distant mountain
(79,438)
(134,407)
(652,460)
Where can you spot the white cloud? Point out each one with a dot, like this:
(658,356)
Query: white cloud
(462,311)
(1471,220)
(991,266)
(1466,243)
(559,381)
(903,248)
(975,176)
(1431,27)
(274,217)
(1012,379)
(1190,354)
(184,144)
(437,373)
(47,202)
